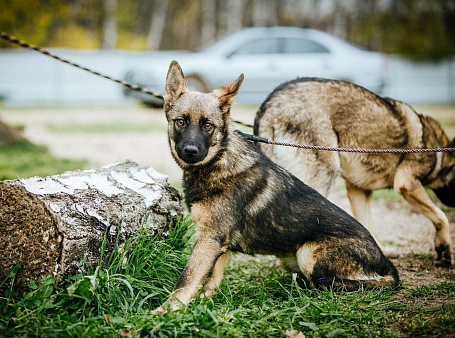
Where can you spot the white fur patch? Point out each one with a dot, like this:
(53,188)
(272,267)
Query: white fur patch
(306,260)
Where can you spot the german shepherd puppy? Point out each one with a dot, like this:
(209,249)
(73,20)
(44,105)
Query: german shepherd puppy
(341,114)
(241,201)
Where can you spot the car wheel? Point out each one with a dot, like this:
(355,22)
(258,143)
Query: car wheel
(194,82)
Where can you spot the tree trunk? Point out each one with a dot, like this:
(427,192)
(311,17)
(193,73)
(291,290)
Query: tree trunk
(158,21)
(110,24)
(448,18)
(231,19)
(49,225)
(9,135)
(339,22)
(265,13)
(208,13)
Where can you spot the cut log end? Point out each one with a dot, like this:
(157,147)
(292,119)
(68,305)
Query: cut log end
(29,235)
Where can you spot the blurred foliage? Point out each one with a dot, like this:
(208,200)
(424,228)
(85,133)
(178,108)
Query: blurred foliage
(128,40)
(414,29)
(25,159)
(418,29)
(75,36)
(32,19)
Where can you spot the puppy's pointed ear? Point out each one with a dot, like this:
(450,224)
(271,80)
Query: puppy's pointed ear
(175,85)
(227,93)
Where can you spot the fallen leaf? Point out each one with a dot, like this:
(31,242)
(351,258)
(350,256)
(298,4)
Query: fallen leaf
(108,318)
(295,334)
(229,317)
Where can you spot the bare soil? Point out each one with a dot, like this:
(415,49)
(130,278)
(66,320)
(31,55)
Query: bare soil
(406,234)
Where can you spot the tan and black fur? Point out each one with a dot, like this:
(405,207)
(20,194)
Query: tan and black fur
(341,114)
(241,201)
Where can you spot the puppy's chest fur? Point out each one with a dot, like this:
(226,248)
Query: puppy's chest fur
(215,214)
(234,233)
(239,207)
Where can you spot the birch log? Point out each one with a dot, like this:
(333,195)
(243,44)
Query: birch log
(49,225)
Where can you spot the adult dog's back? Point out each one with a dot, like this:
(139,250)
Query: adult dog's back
(340,114)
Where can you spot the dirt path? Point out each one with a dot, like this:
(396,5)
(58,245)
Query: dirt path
(94,134)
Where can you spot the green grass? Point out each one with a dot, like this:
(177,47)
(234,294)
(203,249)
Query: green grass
(106,127)
(422,255)
(386,194)
(256,299)
(432,311)
(25,159)
(99,302)
(381,194)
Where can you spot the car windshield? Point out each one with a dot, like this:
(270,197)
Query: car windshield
(302,46)
(219,44)
(260,46)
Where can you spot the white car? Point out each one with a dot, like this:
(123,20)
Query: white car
(268,56)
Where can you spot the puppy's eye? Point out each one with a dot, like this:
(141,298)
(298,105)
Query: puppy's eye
(180,122)
(208,126)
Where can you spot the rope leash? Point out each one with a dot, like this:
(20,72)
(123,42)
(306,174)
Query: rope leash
(45,52)
(135,87)
(254,138)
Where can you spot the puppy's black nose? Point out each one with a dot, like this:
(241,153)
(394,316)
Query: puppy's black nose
(190,150)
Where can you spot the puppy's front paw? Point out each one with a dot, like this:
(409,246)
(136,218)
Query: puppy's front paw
(207,293)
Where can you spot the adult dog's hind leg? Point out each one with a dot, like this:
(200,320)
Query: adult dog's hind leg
(414,192)
(360,201)
(214,281)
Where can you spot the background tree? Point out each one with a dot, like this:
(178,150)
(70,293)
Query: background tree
(110,24)
(418,29)
(208,18)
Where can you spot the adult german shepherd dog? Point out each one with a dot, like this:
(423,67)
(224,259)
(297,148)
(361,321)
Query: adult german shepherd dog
(341,114)
(241,201)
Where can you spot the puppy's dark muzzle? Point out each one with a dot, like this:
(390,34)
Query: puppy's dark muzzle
(191,154)
(190,151)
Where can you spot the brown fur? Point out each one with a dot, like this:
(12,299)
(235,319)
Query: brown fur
(241,201)
(340,114)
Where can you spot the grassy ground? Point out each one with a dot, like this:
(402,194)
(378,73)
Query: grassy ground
(106,127)
(25,159)
(257,298)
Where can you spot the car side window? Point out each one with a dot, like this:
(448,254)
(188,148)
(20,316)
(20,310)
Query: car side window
(302,46)
(260,46)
